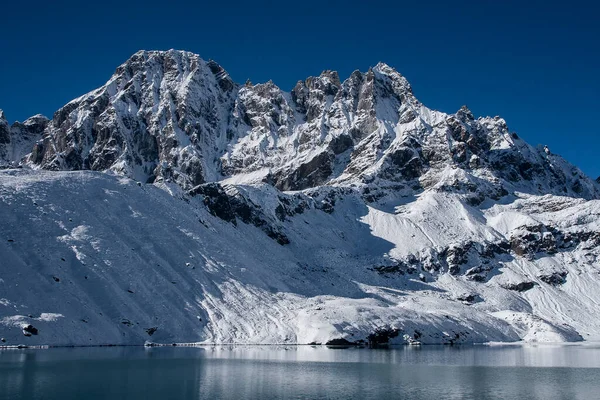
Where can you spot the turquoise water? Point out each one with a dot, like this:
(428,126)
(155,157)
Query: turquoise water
(304,372)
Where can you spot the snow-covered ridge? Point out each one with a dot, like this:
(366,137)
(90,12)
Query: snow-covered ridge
(173,204)
(172,116)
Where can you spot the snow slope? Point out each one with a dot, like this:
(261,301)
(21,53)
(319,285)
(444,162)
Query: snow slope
(92,258)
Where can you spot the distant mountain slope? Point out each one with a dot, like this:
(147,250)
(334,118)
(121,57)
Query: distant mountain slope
(173,204)
(20,140)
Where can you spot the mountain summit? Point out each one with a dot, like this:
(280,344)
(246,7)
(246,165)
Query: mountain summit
(172,116)
(208,211)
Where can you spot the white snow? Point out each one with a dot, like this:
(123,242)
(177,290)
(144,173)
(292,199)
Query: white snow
(424,236)
(122,272)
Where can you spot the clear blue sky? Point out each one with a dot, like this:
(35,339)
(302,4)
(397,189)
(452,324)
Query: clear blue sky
(537,65)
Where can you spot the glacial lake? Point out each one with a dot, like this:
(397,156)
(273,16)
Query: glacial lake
(302,372)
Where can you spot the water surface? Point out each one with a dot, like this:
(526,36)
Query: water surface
(303,372)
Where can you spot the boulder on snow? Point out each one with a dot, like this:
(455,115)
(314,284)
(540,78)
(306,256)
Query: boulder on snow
(29,330)
(340,342)
(468,298)
(519,287)
(150,331)
(555,278)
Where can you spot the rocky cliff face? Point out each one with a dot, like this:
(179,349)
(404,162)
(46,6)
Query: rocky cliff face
(172,116)
(18,143)
(160,115)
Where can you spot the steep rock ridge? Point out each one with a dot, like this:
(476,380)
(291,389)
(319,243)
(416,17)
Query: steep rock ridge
(4,129)
(162,115)
(319,130)
(172,116)
(19,140)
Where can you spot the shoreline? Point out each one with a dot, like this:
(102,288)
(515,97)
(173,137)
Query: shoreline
(274,345)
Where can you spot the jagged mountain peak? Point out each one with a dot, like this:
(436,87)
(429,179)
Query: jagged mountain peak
(464,113)
(38,119)
(332,75)
(19,141)
(172,116)
(384,69)
(175,64)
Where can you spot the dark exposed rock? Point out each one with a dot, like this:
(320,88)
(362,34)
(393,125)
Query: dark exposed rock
(452,259)
(382,336)
(231,207)
(29,330)
(454,337)
(478,272)
(555,278)
(218,202)
(477,278)
(531,241)
(458,255)
(587,239)
(534,239)
(407,162)
(276,235)
(390,269)
(222,76)
(37,153)
(340,342)
(326,200)
(340,144)
(467,298)
(309,174)
(150,331)
(464,114)
(4,129)
(290,205)
(409,266)
(519,287)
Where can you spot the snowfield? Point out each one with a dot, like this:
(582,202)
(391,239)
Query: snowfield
(93,258)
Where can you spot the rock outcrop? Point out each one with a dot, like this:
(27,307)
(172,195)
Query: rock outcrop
(18,142)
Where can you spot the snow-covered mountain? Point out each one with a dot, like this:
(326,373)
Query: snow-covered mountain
(173,204)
